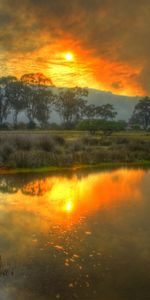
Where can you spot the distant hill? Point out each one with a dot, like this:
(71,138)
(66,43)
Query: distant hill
(124,105)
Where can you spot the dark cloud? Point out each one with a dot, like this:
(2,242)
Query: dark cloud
(117,85)
(114,30)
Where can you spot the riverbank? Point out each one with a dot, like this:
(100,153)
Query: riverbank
(101,166)
(21,153)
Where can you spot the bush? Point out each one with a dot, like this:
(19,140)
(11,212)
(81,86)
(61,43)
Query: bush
(23,142)
(21,126)
(139,145)
(46,143)
(5,126)
(55,126)
(59,140)
(31,159)
(77,146)
(31,125)
(90,141)
(5,150)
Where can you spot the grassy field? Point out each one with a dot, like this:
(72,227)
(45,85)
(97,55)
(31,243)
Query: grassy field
(65,149)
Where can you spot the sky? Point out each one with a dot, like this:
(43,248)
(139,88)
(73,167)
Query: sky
(102,44)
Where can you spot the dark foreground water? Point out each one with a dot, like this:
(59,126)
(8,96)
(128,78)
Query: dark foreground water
(75,236)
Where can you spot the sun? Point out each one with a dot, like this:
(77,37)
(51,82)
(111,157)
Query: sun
(69,56)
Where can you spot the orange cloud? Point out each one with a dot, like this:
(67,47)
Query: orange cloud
(109,40)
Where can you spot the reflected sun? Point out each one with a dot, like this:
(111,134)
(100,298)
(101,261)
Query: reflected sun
(69,206)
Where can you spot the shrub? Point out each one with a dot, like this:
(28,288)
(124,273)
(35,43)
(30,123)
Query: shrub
(21,126)
(90,141)
(5,150)
(5,126)
(59,140)
(31,125)
(77,145)
(139,145)
(31,159)
(55,126)
(46,143)
(23,142)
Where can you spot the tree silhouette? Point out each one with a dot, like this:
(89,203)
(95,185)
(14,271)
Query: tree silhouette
(141,113)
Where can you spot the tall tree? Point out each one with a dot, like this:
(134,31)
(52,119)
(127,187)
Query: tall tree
(7,79)
(70,104)
(39,102)
(16,94)
(44,100)
(141,113)
(30,104)
(90,111)
(4,106)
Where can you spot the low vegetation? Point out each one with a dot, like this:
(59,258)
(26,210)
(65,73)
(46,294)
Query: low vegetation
(45,150)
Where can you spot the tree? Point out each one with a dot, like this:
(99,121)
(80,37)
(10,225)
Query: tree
(36,79)
(90,111)
(39,104)
(7,79)
(30,106)
(16,93)
(106,112)
(141,113)
(4,106)
(44,100)
(70,105)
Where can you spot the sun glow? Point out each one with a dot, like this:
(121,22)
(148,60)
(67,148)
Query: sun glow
(69,56)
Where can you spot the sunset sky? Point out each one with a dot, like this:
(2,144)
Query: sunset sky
(101,44)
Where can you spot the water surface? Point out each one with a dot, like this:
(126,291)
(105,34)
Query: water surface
(75,236)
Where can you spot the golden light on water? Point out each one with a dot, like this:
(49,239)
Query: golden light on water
(57,197)
(69,206)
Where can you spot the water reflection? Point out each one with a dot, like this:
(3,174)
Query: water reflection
(58,196)
(73,236)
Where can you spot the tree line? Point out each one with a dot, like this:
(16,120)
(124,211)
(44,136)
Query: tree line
(37,101)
